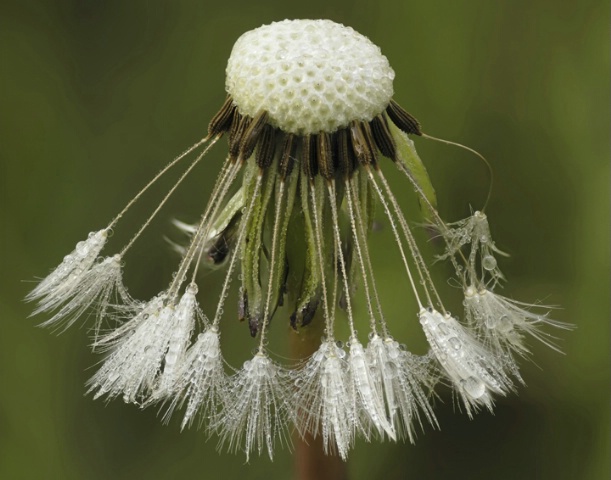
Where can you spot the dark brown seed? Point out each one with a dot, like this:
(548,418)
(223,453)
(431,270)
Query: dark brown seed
(345,153)
(287,160)
(222,121)
(238,128)
(267,147)
(252,135)
(325,156)
(308,156)
(383,138)
(402,119)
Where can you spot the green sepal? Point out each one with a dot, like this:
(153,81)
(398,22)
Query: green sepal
(412,165)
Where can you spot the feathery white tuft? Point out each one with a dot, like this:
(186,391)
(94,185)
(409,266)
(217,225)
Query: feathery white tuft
(138,351)
(257,409)
(101,287)
(400,378)
(183,320)
(202,383)
(57,286)
(475,231)
(370,399)
(473,370)
(325,399)
(502,322)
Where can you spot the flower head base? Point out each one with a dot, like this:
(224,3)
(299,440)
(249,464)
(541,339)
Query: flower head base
(312,128)
(292,71)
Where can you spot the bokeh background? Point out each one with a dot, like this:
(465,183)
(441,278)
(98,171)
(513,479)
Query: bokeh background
(96,96)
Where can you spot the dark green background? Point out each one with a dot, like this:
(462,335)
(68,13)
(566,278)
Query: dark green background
(95,97)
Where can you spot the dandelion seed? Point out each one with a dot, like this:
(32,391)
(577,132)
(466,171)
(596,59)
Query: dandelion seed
(202,383)
(100,286)
(371,399)
(474,231)
(313,133)
(474,371)
(326,404)
(502,323)
(257,409)
(59,286)
(402,382)
(143,358)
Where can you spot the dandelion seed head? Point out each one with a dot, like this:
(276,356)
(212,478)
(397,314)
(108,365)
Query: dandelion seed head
(309,75)
(312,130)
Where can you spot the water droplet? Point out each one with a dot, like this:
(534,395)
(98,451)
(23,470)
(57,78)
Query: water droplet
(474,387)
(455,343)
(393,353)
(489,262)
(443,330)
(505,325)
(490,322)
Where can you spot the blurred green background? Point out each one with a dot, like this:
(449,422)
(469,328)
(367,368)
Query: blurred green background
(95,97)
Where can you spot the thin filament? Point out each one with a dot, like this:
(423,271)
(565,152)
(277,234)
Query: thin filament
(357,241)
(420,264)
(329,312)
(168,195)
(157,177)
(396,234)
(475,152)
(340,254)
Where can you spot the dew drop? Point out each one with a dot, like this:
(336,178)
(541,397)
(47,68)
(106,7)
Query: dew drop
(474,387)
(393,353)
(505,325)
(443,330)
(455,343)
(489,262)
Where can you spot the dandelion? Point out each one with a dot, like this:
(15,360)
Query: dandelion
(313,131)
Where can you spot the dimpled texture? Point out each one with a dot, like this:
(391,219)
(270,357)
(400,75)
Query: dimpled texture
(310,76)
